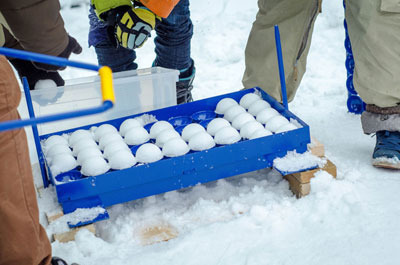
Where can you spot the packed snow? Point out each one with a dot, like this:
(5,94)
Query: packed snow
(247,100)
(225,104)
(253,218)
(201,141)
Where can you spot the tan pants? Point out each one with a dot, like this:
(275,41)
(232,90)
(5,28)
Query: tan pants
(23,241)
(374,30)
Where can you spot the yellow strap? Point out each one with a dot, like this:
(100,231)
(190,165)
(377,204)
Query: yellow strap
(107,88)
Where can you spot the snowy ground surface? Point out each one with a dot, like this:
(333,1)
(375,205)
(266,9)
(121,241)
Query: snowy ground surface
(255,219)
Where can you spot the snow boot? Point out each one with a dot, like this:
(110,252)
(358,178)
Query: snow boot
(185,85)
(387,150)
(58,261)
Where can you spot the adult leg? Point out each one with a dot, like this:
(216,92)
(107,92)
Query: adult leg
(374,28)
(296,22)
(22,239)
(173,39)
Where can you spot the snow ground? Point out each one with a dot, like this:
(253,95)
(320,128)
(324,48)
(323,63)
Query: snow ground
(255,219)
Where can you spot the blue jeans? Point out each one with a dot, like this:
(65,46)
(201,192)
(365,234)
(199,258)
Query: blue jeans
(172,42)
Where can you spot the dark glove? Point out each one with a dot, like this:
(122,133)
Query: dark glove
(72,47)
(32,74)
(130,27)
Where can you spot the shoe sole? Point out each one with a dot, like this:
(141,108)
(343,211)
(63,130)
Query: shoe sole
(387,165)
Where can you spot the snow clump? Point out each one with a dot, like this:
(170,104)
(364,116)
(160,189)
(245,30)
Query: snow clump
(158,127)
(128,125)
(94,166)
(258,106)
(224,104)
(122,159)
(191,130)
(175,147)
(136,136)
(201,141)
(227,135)
(248,99)
(148,153)
(233,112)
(217,124)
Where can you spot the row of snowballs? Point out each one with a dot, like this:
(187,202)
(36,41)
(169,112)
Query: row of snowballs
(252,116)
(91,148)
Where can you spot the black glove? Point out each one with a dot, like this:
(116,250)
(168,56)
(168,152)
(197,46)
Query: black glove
(72,47)
(32,74)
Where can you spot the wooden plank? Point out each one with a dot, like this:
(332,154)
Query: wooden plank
(306,176)
(316,147)
(157,233)
(298,188)
(70,235)
(53,216)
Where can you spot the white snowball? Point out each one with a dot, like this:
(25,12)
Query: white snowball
(286,127)
(94,166)
(159,127)
(45,83)
(217,124)
(227,135)
(113,147)
(260,133)
(148,153)
(175,147)
(62,163)
(258,106)
(275,123)
(88,153)
(224,104)
(241,120)
(54,140)
(201,141)
(136,136)
(58,149)
(249,128)
(109,138)
(166,135)
(233,112)
(127,125)
(103,130)
(266,114)
(122,159)
(249,99)
(191,130)
(79,135)
(83,144)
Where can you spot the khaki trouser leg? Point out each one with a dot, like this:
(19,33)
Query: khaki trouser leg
(296,21)
(22,239)
(374,30)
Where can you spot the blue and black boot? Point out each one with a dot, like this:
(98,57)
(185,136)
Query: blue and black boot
(387,150)
(185,85)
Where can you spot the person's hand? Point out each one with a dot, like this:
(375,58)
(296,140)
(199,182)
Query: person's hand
(72,47)
(33,75)
(133,27)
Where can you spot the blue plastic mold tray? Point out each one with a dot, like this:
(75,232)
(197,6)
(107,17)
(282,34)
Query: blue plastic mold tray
(76,191)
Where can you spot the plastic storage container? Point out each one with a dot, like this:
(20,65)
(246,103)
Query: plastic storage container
(136,91)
